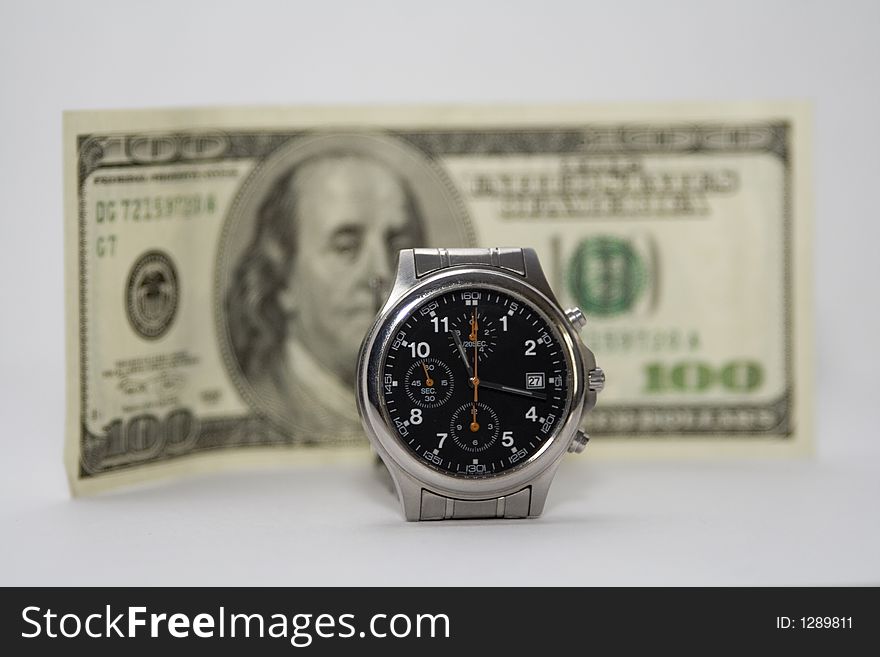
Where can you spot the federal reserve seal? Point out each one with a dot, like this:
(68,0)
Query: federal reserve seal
(152,294)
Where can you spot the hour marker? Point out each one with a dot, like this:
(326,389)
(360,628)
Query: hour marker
(513,449)
(436,451)
(406,423)
(509,312)
(393,383)
(541,420)
(476,461)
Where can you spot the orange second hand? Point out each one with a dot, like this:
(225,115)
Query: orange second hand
(474,424)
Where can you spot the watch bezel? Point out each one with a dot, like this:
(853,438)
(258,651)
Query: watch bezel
(386,440)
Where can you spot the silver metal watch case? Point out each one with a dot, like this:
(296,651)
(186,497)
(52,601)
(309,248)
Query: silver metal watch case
(410,475)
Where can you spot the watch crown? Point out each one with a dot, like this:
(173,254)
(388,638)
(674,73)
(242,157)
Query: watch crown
(578,443)
(596,379)
(576,317)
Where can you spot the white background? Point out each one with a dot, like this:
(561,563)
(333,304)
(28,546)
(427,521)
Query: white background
(774,522)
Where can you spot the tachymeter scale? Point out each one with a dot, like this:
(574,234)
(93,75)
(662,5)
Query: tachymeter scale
(522,375)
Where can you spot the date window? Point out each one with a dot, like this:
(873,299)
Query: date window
(534,380)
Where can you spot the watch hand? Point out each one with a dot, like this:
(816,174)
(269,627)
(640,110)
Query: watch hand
(514,391)
(462,353)
(475,426)
(429,382)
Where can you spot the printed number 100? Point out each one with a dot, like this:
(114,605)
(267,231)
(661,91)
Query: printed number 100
(697,376)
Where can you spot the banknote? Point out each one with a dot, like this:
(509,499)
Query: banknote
(223,265)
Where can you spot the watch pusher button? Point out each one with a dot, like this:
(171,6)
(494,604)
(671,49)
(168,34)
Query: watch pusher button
(578,443)
(596,379)
(576,317)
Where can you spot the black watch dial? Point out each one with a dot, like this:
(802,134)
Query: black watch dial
(475,382)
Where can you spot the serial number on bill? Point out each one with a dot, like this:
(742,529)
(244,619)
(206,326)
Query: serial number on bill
(814,622)
(155,207)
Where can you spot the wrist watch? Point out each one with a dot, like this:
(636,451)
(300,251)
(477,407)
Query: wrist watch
(472,383)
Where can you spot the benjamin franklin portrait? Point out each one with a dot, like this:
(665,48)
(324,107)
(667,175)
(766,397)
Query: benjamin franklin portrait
(308,281)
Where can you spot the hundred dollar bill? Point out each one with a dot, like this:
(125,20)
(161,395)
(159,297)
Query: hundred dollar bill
(223,265)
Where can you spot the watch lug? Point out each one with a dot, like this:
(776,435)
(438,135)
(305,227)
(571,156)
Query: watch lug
(540,489)
(535,274)
(409,491)
(405,278)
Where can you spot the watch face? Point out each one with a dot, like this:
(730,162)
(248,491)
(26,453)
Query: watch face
(475,382)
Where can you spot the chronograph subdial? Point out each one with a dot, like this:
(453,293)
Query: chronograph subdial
(429,383)
(472,435)
(486,334)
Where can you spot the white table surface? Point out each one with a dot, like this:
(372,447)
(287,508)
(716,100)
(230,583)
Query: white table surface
(811,521)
